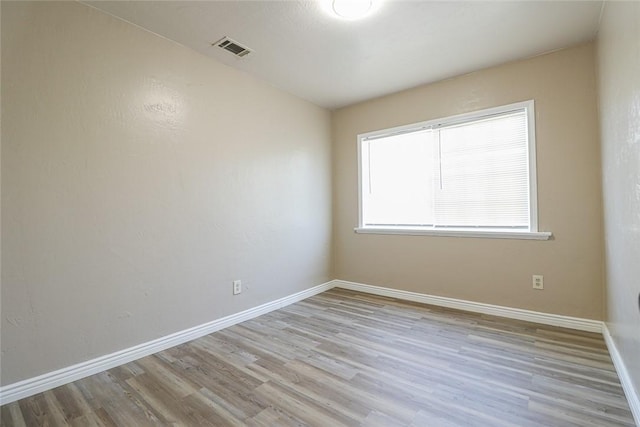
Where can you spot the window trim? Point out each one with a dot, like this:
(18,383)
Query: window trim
(533,232)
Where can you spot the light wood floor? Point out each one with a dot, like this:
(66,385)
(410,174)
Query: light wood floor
(345,358)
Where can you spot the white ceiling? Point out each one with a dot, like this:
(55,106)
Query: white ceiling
(300,48)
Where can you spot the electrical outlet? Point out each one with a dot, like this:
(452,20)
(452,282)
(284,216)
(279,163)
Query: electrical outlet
(538,281)
(237,287)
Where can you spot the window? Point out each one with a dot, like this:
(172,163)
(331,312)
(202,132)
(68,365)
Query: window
(467,175)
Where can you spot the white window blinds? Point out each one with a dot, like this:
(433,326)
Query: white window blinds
(469,174)
(484,177)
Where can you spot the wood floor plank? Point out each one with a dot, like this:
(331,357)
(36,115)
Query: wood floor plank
(219,415)
(344,358)
(54,409)
(85,415)
(273,416)
(12,415)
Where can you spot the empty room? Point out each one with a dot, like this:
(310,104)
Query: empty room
(320,213)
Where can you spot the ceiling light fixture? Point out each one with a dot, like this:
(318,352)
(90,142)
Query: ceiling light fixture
(352,9)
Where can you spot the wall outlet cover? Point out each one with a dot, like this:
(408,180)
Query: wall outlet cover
(237,287)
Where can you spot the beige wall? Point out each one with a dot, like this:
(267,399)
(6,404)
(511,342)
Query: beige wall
(619,99)
(492,271)
(139,179)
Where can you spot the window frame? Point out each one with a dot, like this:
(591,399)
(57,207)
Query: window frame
(531,234)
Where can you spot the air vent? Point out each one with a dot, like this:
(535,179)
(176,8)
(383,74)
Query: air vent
(233,46)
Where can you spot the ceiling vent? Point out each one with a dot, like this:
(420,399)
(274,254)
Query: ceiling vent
(233,46)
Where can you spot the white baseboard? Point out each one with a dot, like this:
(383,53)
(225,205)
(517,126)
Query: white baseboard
(31,386)
(633,397)
(477,307)
(44,382)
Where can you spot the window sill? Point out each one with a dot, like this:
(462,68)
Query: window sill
(521,235)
